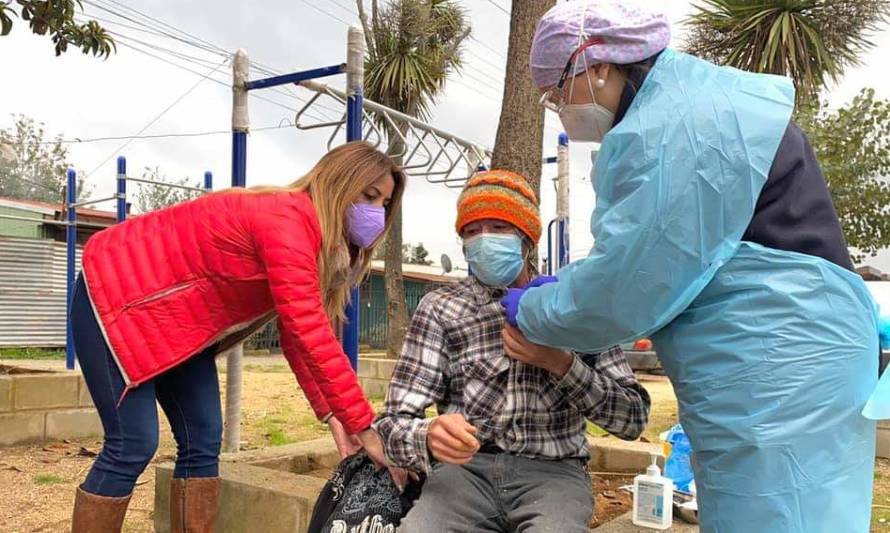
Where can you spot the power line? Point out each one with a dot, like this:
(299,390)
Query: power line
(326,13)
(222,83)
(495,4)
(77,140)
(195,39)
(201,44)
(487,47)
(341,6)
(161,114)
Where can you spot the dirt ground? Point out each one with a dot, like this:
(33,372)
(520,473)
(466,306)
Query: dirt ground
(37,483)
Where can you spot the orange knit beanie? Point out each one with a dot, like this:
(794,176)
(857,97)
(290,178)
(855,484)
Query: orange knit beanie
(501,195)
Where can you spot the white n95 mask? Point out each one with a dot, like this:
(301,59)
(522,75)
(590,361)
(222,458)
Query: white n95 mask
(586,123)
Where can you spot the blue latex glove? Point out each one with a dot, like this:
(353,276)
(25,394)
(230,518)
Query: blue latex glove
(510,303)
(541,280)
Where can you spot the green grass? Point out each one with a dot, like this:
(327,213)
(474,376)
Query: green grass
(31,353)
(277,437)
(48,479)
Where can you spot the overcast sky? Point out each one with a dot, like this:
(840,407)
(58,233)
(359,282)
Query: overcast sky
(82,97)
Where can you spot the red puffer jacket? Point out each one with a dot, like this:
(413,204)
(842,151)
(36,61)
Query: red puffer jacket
(169,284)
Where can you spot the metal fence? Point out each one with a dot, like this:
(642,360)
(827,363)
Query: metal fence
(32,292)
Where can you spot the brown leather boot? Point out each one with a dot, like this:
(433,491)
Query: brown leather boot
(98,514)
(193,504)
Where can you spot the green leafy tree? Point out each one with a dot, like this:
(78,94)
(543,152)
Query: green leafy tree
(33,167)
(411,255)
(152,197)
(812,41)
(419,255)
(412,47)
(853,147)
(56,18)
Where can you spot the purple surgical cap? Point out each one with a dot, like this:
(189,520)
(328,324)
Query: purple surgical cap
(630,33)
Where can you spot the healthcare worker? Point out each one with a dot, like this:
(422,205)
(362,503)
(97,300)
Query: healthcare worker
(715,234)
(163,293)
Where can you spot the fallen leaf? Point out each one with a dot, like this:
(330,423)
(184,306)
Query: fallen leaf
(85,452)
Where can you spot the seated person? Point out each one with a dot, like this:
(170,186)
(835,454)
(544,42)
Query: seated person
(508,450)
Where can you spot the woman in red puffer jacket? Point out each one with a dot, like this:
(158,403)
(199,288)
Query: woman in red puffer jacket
(161,294)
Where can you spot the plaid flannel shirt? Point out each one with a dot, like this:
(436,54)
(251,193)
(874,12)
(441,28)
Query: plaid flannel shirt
(454,357)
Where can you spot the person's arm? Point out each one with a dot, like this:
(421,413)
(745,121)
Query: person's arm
(417,383)
(605,390)
(674,195)
(287,241)
(607,393)
(290,347)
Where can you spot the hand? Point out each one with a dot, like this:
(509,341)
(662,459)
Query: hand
(553,360)
(373,446)
(451,439)
(346,444)
(510,303)
(541,280)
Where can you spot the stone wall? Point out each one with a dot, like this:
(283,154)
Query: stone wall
(374,375)
(36,406)
(274,490)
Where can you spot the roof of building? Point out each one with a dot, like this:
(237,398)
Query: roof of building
(48,208)
(431,273)
(870,273)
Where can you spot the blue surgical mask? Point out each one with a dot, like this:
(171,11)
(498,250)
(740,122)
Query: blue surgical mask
(495,258)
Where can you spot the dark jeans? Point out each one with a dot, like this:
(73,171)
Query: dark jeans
(188,394)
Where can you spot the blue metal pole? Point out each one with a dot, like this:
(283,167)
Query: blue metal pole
(239,159)
(550,248)
(208,181)
(71,249)
(296,77)
(121,189)
(355,56)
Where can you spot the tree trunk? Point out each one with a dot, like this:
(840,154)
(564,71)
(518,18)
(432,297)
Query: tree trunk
(518,145)
(396,301)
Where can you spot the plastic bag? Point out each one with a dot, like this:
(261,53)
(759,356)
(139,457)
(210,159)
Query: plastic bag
(678,466)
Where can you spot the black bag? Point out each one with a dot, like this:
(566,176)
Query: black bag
(359,498)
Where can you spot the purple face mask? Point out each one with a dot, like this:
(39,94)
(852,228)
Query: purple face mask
(364,223)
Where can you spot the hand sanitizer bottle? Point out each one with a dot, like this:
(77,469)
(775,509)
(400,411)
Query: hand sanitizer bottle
(653,498)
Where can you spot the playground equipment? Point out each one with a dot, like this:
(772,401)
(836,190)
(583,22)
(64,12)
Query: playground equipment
(561,222)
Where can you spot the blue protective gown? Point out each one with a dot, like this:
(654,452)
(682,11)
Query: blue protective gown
(772,353)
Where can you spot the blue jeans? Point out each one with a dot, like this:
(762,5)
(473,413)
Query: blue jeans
(188,394)
(502,493)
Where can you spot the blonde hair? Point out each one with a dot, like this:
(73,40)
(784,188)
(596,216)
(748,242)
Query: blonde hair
(334,183)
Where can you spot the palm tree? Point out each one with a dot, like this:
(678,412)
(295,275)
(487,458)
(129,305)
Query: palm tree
(412,47)
(812,41)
